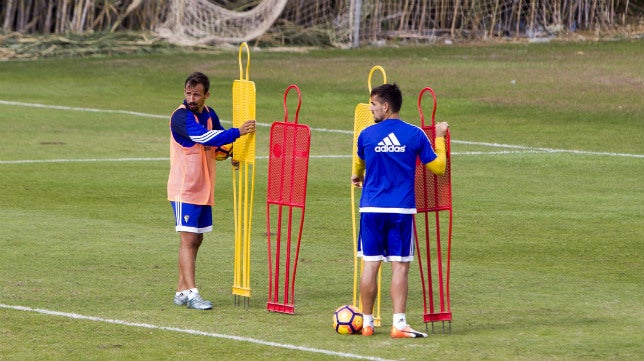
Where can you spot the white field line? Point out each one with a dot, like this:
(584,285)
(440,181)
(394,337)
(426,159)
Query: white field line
(517,148)
(97,160)
(193,332)
(91,110)
(88,160)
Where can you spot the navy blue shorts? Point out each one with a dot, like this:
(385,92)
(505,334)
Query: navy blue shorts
(386,237)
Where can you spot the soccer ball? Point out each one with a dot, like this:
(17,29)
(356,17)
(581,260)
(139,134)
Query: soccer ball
(222,152)
(347,320)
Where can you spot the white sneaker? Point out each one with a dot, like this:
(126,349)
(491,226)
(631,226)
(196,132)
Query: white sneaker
(199,303)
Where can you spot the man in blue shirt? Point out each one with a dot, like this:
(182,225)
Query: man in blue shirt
(386,163)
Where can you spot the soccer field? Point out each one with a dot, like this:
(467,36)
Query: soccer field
(547,171)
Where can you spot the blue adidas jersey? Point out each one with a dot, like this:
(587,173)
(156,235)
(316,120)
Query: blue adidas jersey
(390,150)
(186,131)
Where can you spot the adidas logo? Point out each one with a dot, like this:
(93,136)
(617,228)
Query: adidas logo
(390,144)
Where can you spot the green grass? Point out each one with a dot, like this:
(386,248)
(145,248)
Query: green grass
(547,246)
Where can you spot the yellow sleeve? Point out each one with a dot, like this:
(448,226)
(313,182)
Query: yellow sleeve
(438,165)
(358,167)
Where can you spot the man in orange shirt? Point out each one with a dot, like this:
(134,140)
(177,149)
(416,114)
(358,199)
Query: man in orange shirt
(195,133)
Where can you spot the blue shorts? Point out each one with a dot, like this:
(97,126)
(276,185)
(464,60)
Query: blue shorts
(192,218)
(386,237)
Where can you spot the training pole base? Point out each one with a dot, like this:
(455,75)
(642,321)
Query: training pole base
(449,327)
(241,301)
(241,291)
(439,317)
(280,307)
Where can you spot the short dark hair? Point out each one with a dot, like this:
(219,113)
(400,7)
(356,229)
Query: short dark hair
(198,78)
(389,93)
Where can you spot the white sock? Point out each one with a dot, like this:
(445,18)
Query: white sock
(400,321)
(181,293)
(192,293)
(367,320)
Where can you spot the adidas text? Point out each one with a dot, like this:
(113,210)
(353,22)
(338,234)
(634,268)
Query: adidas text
(390,148)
